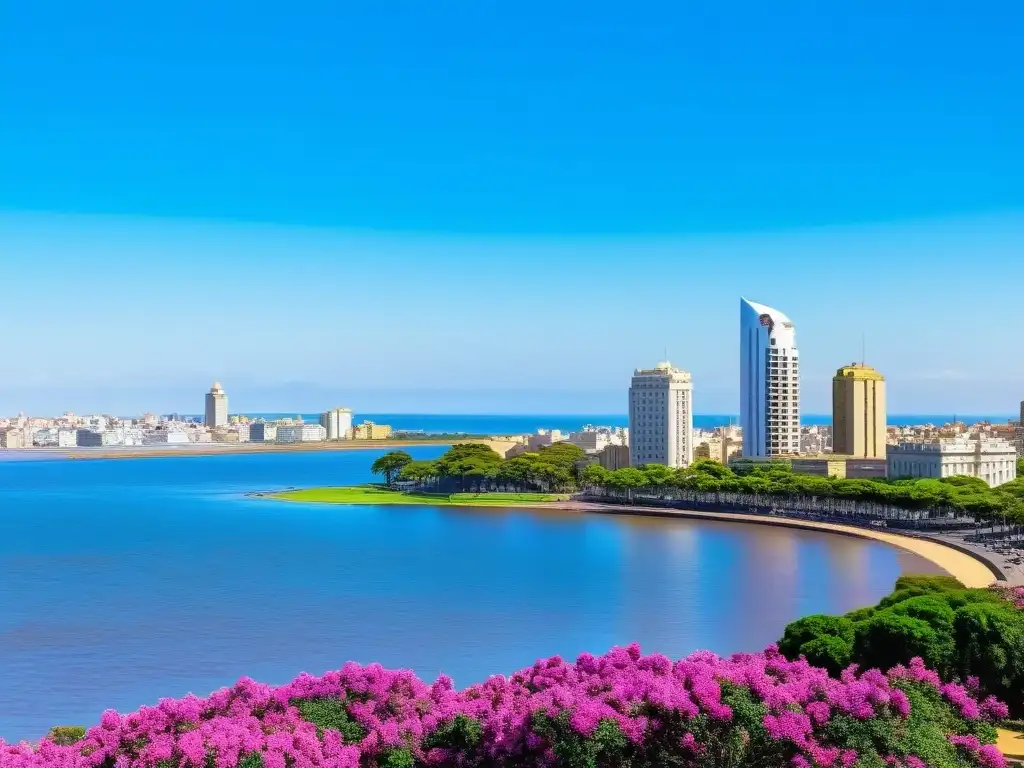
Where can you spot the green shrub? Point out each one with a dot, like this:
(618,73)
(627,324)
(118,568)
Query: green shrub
(810,628)
(960,632)
(833,653)
(66,735)
(330,713)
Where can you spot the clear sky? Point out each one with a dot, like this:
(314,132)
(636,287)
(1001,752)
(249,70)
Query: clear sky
(449,207)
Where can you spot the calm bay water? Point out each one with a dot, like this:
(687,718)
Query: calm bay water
(123,580)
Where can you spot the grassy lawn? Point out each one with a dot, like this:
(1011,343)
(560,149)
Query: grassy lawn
(371,494)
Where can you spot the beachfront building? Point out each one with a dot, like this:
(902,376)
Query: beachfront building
(661,417)
(166,437)
(992,459)
(337,422)
(370,431)
(262,432)
(300,433)
(769,382)
(216,414)
(858,412)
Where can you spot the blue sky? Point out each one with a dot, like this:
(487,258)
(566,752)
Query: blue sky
(450,207)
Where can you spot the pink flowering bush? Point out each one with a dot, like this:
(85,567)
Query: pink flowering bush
(621,709)
(1014,594)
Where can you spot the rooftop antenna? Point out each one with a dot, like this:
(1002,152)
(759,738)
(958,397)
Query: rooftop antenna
(863,356)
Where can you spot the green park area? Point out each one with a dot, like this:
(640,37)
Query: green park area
(375,494)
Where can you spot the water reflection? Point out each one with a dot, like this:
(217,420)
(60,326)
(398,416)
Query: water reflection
(126,581)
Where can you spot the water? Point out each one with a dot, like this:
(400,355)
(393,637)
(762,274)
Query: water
(124,580)
(518,424)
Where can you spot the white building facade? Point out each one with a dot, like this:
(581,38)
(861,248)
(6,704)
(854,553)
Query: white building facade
(216,414)
(661,417)
(338,423)
(992,459)
(300,433)
(769,382)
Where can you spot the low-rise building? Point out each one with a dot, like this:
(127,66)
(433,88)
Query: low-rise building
(166,437)
(67,438)
(720,449)
(92,438)
(614,457)
(992,459)
(839,465)
(370,431)
(300,433)
(12,438)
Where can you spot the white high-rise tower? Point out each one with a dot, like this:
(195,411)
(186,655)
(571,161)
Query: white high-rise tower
(661,417)
(769,382)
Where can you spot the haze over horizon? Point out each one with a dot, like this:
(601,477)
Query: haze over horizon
(481,210)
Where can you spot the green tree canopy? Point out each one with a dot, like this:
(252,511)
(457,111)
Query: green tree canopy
(390,464)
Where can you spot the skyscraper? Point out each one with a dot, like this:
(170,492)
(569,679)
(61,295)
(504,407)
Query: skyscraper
(858,412)
(661,417)
(216,407)
(769,382)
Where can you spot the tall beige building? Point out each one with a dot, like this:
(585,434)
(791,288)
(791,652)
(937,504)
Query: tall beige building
(858,412)
(661,417)
(216,407)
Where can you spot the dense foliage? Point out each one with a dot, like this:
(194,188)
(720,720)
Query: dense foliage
(620,710)
(966,495)
(391,464)
(974,635)
(476,466)
(565,467)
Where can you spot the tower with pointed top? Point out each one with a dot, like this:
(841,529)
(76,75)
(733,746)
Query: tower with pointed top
(216,414)
(769,382)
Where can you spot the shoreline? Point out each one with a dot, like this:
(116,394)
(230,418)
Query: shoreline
(971,566)
(228,449)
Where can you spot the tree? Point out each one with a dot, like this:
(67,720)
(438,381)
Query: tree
(390,464)
(418,471)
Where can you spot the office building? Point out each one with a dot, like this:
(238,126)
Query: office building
(858,412)
(769,382)
(992,459)
(661,417)
(300,433)
(216,407)
(337,422)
